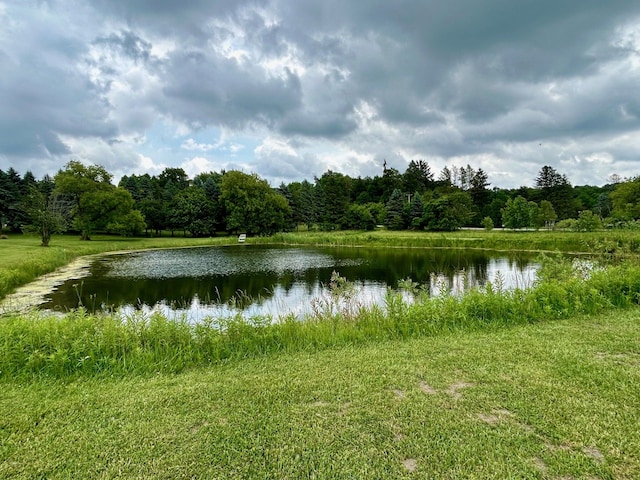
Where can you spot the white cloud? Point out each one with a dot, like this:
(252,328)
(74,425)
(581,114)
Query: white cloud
(198,165)
(291,89)
(190,144)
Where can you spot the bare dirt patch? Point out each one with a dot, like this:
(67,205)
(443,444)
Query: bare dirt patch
(454,390)
(429,390)
(399,394)
(496,416)
(411,464)
(540,465)
(594,453)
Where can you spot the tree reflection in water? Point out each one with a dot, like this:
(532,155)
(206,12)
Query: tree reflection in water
(269,280)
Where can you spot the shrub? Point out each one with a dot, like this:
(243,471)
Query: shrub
(487,223)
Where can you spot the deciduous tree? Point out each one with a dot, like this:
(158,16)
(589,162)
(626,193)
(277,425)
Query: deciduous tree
(517,213)
(47,214)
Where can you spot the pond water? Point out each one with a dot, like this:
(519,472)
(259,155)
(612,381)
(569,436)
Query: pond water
(256,280)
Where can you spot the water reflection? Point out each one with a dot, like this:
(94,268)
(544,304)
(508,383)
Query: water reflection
(276,281)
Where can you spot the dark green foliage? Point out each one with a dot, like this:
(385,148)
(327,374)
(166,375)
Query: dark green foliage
(625,200)
(250,205)
(11,190)
(97,203)
(417,177)
(358,217)
(395,219)
(46,214)
(588,222)
(556,188)
(163,204)
(391,181)
(448,212)
(546,215)
(416,211)
(517,213)
(333,198)
(302,203)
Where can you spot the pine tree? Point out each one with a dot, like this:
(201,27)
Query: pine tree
(395,211)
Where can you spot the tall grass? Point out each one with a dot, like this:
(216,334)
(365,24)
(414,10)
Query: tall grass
(33,346)
(615,242)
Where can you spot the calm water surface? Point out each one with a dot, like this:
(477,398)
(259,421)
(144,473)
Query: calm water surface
(268,280)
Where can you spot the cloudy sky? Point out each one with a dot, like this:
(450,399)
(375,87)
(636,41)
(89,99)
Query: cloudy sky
(289,89)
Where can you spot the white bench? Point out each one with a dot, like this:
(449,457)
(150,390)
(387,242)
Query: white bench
(242,238)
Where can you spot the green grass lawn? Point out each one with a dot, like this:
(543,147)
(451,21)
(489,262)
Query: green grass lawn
(551,400)
(505,397)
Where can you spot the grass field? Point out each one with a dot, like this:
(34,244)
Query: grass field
(487,385)
(553,400)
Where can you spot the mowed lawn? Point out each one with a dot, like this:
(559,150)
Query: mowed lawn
(556,400)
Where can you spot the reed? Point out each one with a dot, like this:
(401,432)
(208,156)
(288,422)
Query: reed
(80,343)
(612,242)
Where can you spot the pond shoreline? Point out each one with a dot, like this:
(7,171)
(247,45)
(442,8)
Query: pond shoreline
(29,296)
(284,279)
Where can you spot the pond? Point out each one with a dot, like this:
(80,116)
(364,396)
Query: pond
(257,280)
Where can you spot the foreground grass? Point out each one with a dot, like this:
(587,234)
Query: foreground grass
(551,400)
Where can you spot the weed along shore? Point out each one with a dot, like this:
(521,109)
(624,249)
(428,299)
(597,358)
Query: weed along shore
(32,294)
(535,382)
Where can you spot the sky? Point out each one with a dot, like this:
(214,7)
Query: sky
(289,89)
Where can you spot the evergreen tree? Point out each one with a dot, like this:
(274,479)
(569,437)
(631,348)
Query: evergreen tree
(480,194)
(10,199)
(302,203)
(416,211)
(557,189)
(395,211)
(417,177)
(333,193)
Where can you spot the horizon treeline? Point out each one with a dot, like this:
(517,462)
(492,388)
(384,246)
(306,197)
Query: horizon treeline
(83,198)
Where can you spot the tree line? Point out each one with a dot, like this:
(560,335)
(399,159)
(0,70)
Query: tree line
(83,198)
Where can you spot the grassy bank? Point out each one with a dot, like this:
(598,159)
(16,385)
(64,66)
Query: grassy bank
(611,242)
(104,345)
(22,259)
(550,400)
(489,384)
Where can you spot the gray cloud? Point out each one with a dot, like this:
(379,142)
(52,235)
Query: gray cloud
(483,82)
(200,90)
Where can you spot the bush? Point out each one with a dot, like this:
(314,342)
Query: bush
(487,223)
(568,224)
